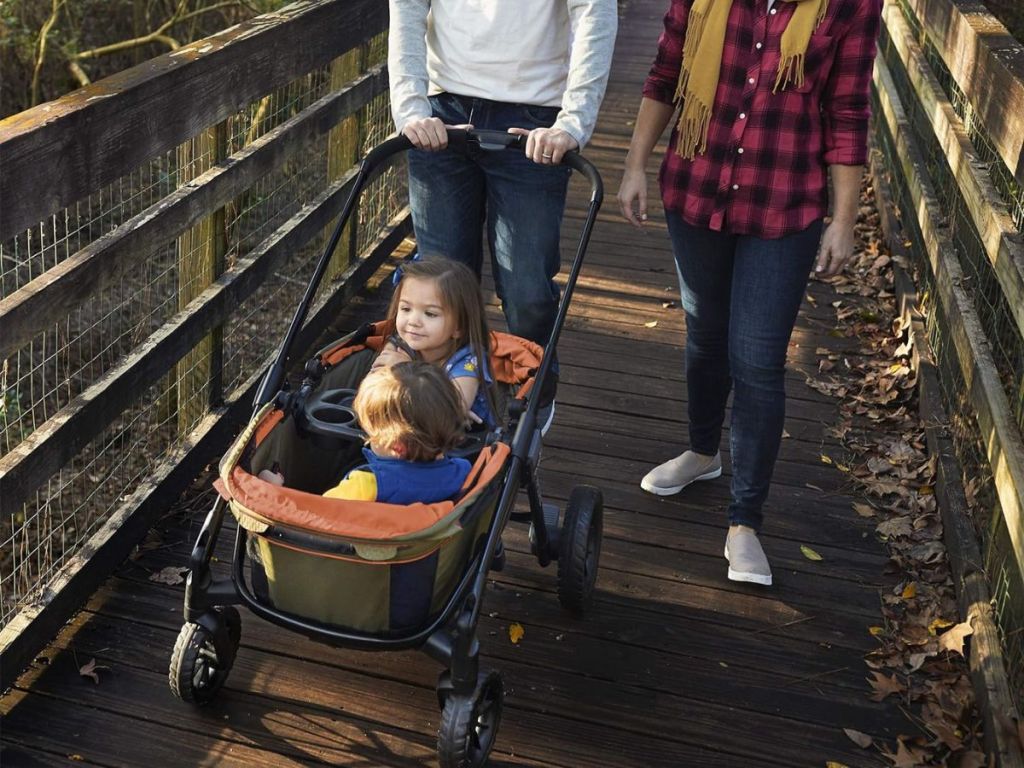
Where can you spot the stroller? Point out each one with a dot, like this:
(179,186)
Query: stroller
(373,576)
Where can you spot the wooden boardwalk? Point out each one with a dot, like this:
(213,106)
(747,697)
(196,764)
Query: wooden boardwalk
(676,666)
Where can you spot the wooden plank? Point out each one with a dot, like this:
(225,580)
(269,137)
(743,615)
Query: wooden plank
(987,210)
(23,469)
(1004,447)
(42,302)
(58,153)
(987,63)
(31,628)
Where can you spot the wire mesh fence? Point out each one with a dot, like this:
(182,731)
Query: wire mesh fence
(993,310)
(62,362)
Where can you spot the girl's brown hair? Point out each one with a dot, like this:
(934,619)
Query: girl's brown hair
(413,404)
(461,296)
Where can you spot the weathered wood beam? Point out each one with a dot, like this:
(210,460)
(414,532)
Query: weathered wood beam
(984,390)
(987,63)
(46,299)
(987,210)
(60,152)
(52,445)
(36,624)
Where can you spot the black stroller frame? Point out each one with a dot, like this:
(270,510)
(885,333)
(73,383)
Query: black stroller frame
(470,701)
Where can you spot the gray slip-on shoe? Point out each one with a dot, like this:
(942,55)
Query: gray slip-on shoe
(747,561)
(675,474)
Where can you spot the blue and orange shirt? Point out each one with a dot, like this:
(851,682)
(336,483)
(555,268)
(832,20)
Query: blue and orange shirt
(399,481)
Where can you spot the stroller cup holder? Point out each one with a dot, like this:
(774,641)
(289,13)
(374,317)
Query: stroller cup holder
(329,414)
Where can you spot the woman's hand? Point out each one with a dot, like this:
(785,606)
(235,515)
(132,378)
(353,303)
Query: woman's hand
(546,146)
(430,133)
(835,250)
(632,196)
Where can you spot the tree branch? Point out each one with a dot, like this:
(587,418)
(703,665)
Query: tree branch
(44,32)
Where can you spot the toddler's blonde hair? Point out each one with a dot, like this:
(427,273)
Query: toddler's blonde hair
(412,404)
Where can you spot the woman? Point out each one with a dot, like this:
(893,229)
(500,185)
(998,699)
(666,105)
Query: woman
(773,99)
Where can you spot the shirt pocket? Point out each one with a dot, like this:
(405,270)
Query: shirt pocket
(817,63)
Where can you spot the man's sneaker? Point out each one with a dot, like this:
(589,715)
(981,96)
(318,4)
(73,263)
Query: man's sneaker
(674,475)
(545,415)
(747,561)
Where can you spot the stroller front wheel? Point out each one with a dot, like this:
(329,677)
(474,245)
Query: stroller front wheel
(197,671)
(469,726)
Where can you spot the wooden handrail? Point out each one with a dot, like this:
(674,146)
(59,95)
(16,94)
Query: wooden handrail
(987,64)
(58,153)
(37,305)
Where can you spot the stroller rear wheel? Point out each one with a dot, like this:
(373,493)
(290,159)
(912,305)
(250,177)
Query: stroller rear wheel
(580,548)
(197,671)
(469,725)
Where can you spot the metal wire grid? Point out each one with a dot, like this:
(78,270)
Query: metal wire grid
(1009,190)
(980,280)
(44,376)
(1001,564)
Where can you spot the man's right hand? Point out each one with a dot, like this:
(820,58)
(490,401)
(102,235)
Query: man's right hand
(429,133)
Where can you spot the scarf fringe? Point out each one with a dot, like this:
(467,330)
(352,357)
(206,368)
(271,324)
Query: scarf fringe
(693,129)
(791,70)
(694,31)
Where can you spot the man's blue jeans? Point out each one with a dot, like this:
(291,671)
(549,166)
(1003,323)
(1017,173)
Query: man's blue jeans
(452,194)
(741,295)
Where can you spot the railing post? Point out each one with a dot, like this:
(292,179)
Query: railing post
(201,255)
(342,153)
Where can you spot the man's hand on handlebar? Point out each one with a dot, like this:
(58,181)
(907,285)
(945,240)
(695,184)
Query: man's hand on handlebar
(429,133)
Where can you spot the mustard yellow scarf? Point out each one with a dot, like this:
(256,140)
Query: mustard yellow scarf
(702,63)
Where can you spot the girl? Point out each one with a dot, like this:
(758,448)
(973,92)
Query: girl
(411,414)
(438,312)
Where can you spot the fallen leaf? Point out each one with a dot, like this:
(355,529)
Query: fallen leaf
(906,757)
(834,764)
(885,686)
(810,554)
(667,304)
(785,435)
(915,661)
(76,758)
(864,510)
(651,324)
(876,631)
(172,574)
(909,591)
(953,640)
(862,740)
(826,459)
(971,759)
(91,669)
(515,632)
(938,624)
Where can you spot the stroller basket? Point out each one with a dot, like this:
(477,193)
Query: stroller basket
(357,565)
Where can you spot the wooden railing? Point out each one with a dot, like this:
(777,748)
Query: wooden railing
(949,126)
(156,230)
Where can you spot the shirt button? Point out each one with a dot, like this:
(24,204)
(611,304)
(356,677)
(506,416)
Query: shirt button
(772,11)
(743,115)
(735,186)
(740,150)
(758,46)
(751,81)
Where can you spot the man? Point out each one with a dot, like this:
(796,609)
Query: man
(537,68)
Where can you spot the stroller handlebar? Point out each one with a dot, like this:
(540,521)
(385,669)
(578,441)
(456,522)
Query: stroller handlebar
(486,141)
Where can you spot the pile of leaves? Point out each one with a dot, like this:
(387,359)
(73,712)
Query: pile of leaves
(920,654)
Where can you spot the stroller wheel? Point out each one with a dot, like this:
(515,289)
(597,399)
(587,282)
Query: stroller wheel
(197,671)
(580,548)
(469,725)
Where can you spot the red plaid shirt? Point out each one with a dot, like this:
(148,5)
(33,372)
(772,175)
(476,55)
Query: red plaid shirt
(765,169)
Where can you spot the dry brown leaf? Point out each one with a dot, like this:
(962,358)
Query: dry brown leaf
(969,759)
(953,639)
(864,510)
(862,740)
(885,686)
(172,574)
(909,591)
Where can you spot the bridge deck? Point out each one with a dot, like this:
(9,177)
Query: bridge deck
(676,666)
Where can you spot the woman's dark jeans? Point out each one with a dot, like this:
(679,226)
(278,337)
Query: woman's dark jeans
(741,295)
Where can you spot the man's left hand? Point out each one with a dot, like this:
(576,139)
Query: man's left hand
(835,250)
(546,146)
